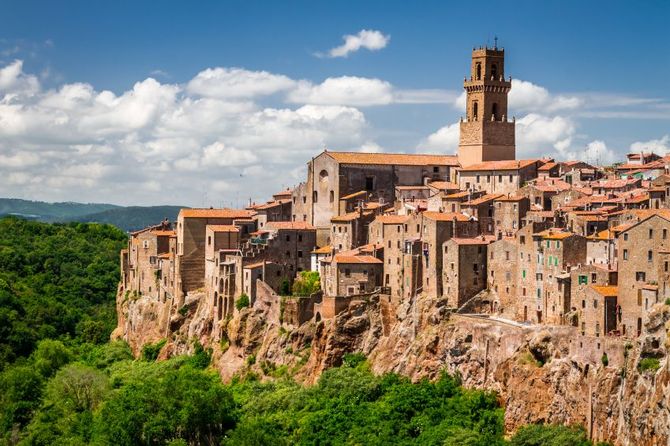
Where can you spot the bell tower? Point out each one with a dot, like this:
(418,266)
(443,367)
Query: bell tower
(486,132)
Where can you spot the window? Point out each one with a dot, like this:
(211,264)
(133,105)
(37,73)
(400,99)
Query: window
(650,256)
(488,180)
(477,178)
(369,183)
(499,178)
(625,237)
(299,253)
(523,291)
(475,268)
(595,303)
(299,237)
(506,255)
(332,196)
(475,110)
(665,233)
(522,239)
(593,277)
(665,266)
(494,71)
(315,196)
(209,240)
(558,244)
(583,280)
(436,169)
(625,254)
(640,276)
(548,243)
(347,272)
(288,238)
(651,233)
(145,244)
(523,273)
(511,178)
(478,71)
(494,111)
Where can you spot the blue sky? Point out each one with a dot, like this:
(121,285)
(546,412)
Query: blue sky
(591,79)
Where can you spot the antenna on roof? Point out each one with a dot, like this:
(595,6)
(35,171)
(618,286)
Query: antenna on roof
(495,42)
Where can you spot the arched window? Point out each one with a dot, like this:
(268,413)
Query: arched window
(332,196)
(494,111)
(475,110)
(478,71)
(494,71)
(323,175)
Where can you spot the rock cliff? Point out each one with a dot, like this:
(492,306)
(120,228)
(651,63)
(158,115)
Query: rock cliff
(542,374)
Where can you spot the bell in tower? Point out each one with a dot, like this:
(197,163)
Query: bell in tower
(486,133)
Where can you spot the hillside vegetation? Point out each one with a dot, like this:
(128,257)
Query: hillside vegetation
(62,382)
(130,218)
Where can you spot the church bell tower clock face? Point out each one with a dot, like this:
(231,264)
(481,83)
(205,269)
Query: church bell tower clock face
(487,132)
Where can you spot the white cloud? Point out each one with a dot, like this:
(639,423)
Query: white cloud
(526,96)
(369,39)
(371,147)
(659,146)
(162,143)
(539,135)
(596,152)
(14,80)
(345,90)
(445,140)
(237,83)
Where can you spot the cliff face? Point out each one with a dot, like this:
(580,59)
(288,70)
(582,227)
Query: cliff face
(542,374)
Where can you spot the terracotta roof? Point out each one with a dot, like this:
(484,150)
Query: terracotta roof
(402,159)
(223,228)
(292,225)
(164,233)
(323,250)
(443,185)
(473,240)
(510,198)
(351,216)
(482,199)
(216,213)
(614,184)
(354,195)
(271,204)
(547,166)
(458,195)
(392,219)
(554,234)
(499,165)
(285,193)
(445,216)
(339,258)
(255,265)
(606,290)
(420,187)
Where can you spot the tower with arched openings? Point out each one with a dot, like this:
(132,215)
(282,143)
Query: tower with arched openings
(487,132)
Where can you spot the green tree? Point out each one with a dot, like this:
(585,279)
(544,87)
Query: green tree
(307,283)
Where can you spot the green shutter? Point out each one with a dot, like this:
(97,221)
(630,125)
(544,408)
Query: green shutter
(548,243)
(555,261)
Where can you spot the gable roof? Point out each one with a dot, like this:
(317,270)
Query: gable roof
(216,213)
(499,165)
(400,159)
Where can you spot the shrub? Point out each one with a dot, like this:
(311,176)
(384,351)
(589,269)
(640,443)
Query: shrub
(251,359)
(649,364)
(242,302)
(353,360)
(667,301)
(150,351)
(183,310)
(604,359)
(307,283)
(285,288)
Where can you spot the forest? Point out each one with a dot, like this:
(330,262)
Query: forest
(63,382)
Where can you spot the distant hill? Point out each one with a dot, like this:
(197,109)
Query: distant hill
(128,218)
(132,218)
(50,212)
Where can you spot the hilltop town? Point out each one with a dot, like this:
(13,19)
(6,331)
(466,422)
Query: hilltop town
(421,257)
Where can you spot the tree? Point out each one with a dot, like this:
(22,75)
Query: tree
(307,283)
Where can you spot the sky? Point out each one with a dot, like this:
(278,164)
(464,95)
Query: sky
(218,103)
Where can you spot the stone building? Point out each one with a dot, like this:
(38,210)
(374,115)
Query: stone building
(644,272)
(191,232)
(486,134)
(502,273)
(436,228)
(501,177)
(141,269)
(348,275)
(557,252)
(509,211)
(334,175)
(350,230)
(464,269)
